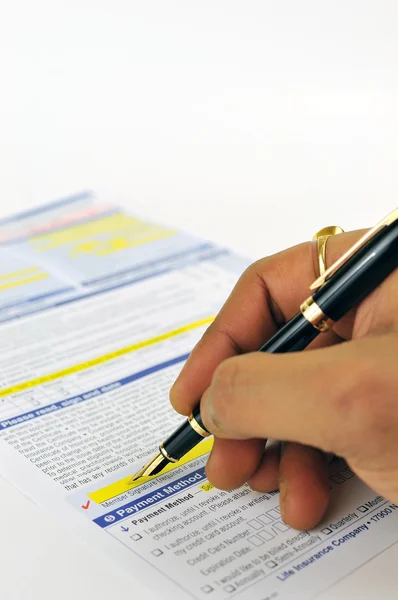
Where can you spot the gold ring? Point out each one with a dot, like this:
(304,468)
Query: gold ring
(197,428)
(166,454)
(321,239)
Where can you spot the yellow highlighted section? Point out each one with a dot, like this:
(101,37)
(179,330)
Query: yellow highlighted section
(14,274)
(17,282)
(110,224)
(119,487)
(116,244)
(21,277)
(103,236)
(19,387)
(207,487)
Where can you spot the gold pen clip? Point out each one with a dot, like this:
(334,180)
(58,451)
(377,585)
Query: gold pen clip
(359,244)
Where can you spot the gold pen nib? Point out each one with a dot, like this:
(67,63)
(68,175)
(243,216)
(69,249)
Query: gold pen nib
(153,467)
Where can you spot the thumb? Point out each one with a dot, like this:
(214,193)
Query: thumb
(332,398)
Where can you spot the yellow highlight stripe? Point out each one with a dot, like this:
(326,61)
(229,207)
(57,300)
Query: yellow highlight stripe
(207,487)
(119,487)
(117,244)
(103,225)
(12,284)
(15,274)
(118,224)
(19,387)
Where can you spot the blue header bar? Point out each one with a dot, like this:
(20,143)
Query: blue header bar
(50,408)
(161,494)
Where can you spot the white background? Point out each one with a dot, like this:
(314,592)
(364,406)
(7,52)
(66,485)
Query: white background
(250,123)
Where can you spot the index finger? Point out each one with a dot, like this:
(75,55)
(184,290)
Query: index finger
(268,294)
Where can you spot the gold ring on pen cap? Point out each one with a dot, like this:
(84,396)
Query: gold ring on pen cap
(321,239)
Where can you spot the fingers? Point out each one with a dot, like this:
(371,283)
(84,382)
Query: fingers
(267,294)
(303,485)
(232,462)
(299,472)
(266,477)
(328,398)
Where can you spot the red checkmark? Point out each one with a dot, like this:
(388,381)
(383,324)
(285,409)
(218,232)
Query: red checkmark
(85,506)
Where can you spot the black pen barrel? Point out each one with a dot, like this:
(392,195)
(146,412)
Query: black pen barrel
(186,437)
(181,441)
(294,336)
(360,275)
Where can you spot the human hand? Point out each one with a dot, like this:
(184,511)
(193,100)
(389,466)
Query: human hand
(339,396)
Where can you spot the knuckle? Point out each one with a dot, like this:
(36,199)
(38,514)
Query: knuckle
(208,332)
(260,266)
(261,272)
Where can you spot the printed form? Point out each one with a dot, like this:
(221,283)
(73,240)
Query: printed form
(98,311)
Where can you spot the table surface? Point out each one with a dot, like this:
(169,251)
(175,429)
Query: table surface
(251,124)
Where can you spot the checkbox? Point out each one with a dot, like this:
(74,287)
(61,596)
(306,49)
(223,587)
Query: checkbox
(281,526)
(157,552)
(346,474)
(136,537)
(326,531)
(273,514)
(207,589)
(337,478)
(266,535)
(255,540)
(255,524)
(229,588)
(363,509)
(264,519)
(271,564)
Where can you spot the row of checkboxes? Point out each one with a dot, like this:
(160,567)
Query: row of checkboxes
(279,526)
(342,475)
(266,535)
(265,519)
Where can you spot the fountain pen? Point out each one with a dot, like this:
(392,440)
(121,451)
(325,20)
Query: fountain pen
(348,281)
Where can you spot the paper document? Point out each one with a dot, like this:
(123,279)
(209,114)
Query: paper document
(98,311)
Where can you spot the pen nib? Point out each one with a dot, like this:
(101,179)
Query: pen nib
(153,467)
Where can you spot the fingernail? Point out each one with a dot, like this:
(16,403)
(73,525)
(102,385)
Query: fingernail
(282,497)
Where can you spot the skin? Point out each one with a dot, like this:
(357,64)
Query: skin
(338,397)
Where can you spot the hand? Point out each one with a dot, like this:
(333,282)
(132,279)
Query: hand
(340,396)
